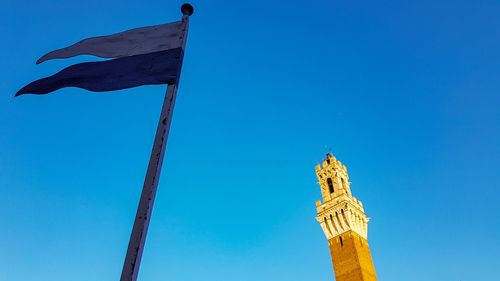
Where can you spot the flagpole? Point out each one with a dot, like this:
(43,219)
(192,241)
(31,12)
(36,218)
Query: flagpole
(143,216)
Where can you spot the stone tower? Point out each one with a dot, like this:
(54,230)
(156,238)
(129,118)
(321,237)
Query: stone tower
(344,223)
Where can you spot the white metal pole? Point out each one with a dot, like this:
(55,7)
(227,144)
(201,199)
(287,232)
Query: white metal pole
(138,237)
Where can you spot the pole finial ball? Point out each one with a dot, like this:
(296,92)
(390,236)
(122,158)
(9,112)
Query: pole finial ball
(187,9)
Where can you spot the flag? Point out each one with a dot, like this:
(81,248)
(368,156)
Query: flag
(142,56)
(128,43)
(148,69)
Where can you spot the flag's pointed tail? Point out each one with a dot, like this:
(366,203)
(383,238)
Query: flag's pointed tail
(48,56)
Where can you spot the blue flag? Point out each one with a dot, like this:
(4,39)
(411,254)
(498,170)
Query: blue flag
(149,69)
(142,56)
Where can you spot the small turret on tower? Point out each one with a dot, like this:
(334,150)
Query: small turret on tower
(332,178)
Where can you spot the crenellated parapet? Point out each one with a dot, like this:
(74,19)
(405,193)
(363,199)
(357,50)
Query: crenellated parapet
(339,211)
(339,217)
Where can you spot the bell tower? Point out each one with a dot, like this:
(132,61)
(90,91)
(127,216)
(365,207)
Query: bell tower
(343,220)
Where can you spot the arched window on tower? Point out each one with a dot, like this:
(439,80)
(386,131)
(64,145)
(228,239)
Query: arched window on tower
(330,185)
(343,183)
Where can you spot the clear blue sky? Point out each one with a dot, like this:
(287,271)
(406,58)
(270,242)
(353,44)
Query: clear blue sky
(405,93)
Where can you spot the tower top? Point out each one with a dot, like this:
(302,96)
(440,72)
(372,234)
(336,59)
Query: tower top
(330,162)
(338,200)
(332,178)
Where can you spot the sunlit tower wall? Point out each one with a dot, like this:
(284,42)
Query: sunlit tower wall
(343,220)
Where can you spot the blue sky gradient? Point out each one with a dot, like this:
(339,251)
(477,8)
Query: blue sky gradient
(405,94)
